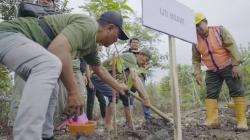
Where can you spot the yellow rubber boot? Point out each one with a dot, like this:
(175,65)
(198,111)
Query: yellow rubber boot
(240,112)
(212,120)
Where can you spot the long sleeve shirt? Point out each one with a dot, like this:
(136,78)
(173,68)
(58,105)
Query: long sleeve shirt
(227,42)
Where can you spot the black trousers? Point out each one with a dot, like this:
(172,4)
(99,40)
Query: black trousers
(214,81)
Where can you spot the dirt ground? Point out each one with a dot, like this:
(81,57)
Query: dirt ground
(192,129)
(158,129)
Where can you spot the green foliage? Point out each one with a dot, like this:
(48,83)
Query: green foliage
(97,7)
(190,93)
(119,64)
(8,9)
(130,82)
(146,36)
(5,82)
(142,70)
(165,87)
(62,6)
(5,88)
(245,51)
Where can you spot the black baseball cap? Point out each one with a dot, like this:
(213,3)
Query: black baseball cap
(116,19)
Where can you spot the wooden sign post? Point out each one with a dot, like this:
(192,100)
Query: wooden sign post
(176,20)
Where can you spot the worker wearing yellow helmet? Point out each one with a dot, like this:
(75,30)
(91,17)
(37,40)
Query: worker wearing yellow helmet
(199,17)
(217,49)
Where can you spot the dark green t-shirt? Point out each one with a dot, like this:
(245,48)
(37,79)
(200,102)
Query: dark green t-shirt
(79,29)
(128,58)
(129,61)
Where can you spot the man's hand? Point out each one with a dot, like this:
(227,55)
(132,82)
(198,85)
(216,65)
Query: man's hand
(198,79)
(122,89)
(75,103)
(61,47)
(91,85)
(108,79)
(146,102)
(236,72)
(85,80)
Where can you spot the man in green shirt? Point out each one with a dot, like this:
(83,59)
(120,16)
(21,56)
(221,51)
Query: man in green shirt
(22,43)
(130,64)
(134,47)
(19,84)
(217,49)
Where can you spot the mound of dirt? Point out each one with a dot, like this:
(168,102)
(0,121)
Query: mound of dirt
(159,129)
(192,129)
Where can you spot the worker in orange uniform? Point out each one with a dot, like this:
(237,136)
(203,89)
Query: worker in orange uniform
(217,50)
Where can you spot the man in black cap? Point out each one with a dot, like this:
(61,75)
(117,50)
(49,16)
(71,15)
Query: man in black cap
(22,49)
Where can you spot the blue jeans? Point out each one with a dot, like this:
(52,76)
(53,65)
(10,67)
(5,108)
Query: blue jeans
(146,110)
(106,90)
(91,93)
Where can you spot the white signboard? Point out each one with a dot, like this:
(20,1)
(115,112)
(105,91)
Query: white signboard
(170,17)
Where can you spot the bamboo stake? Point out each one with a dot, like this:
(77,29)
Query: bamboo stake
(126,81)
(114,93)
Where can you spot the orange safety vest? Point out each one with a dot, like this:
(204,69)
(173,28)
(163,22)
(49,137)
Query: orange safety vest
(213,54)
